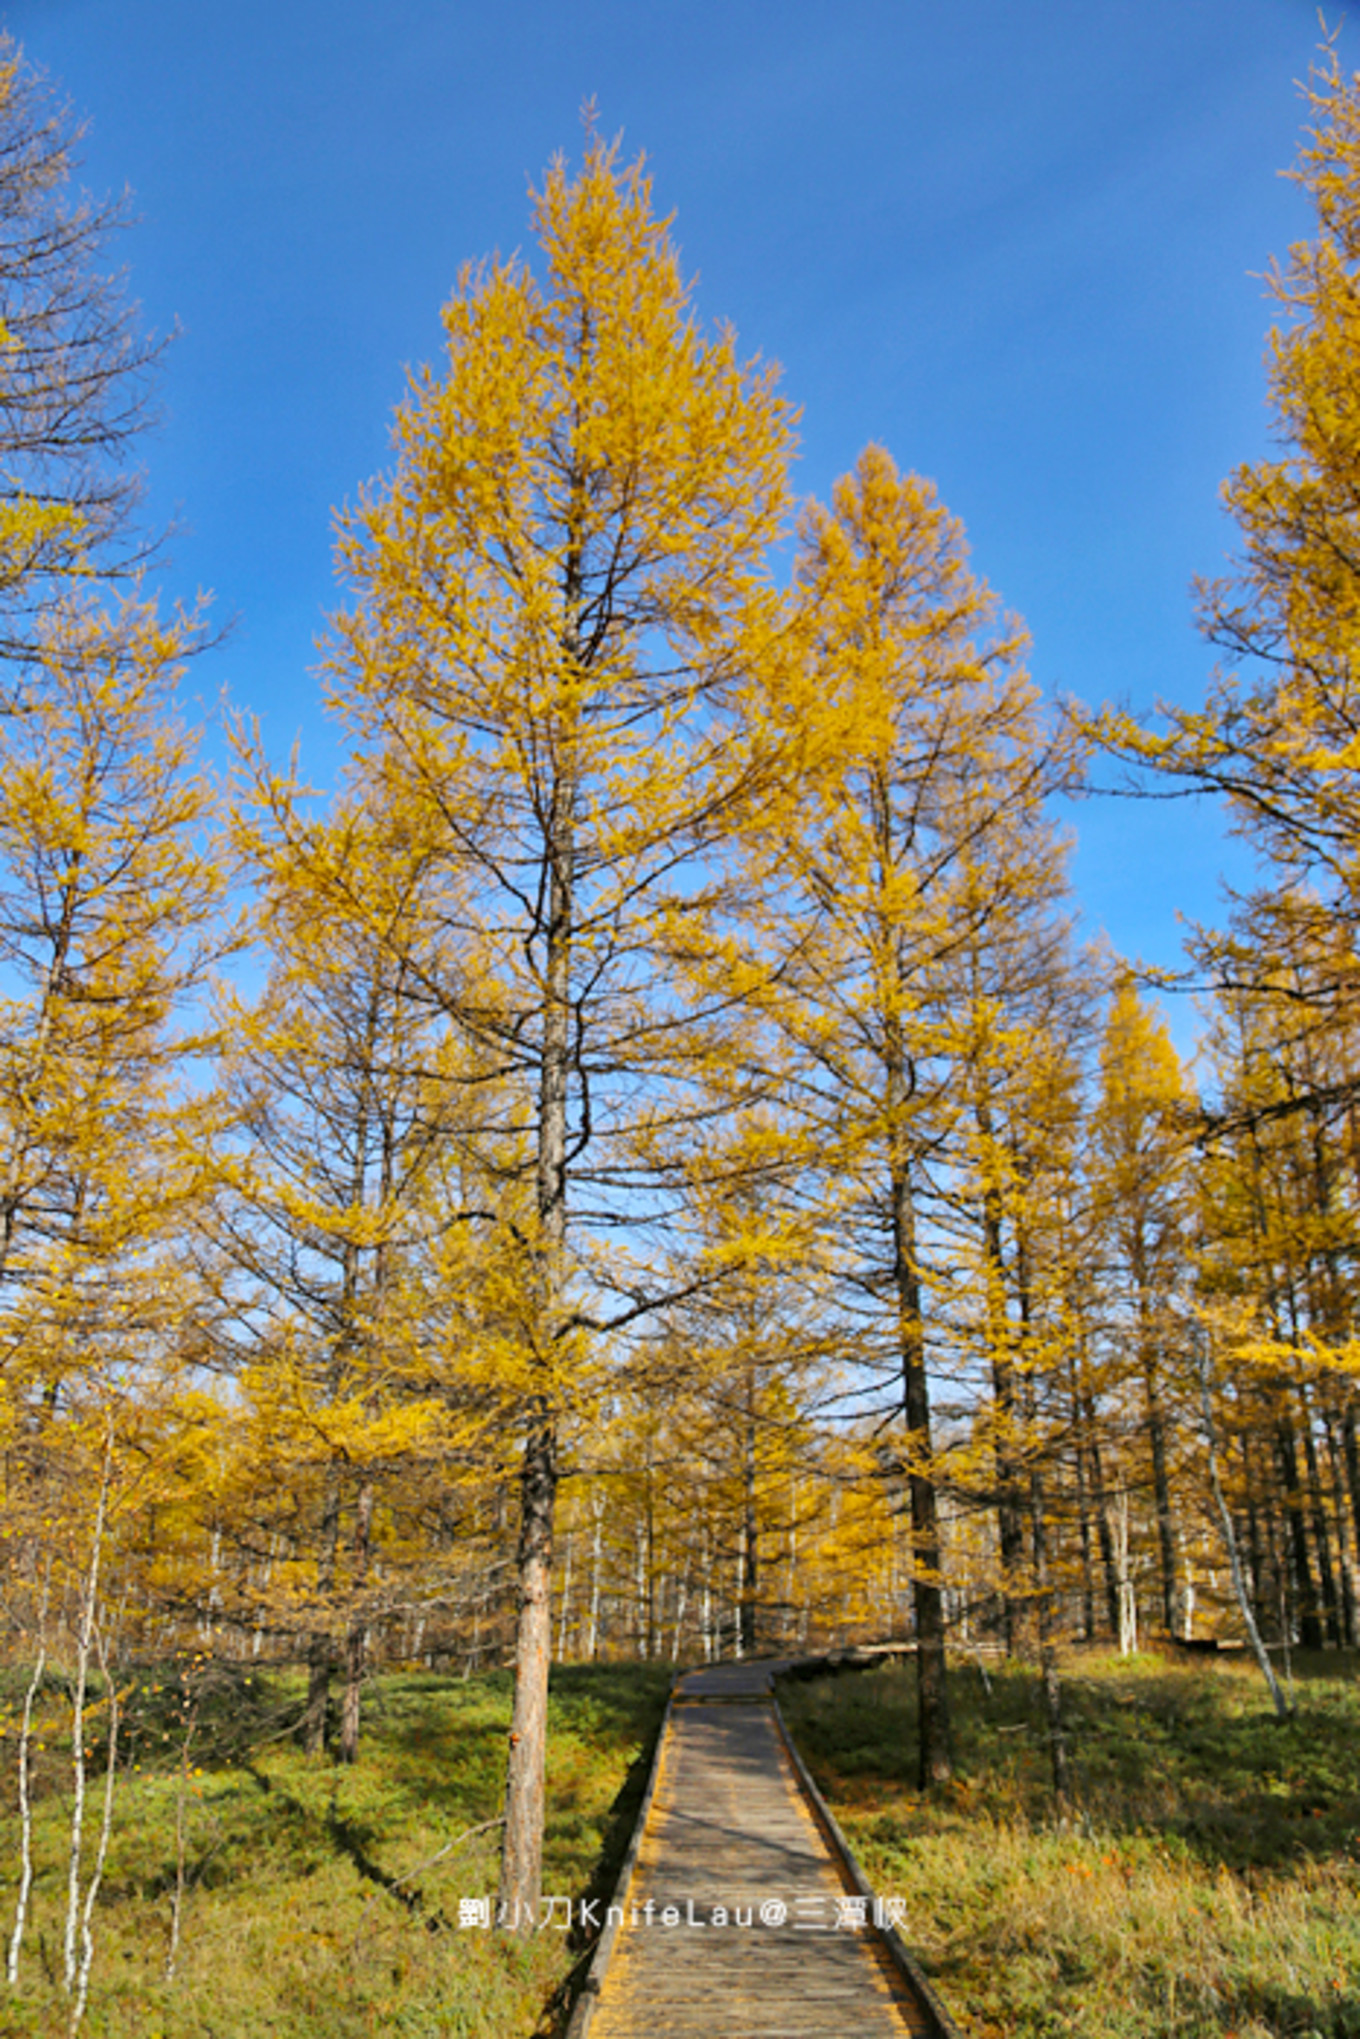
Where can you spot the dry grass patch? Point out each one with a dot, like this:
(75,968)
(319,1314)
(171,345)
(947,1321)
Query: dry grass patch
(291,1926)
(1206,1881)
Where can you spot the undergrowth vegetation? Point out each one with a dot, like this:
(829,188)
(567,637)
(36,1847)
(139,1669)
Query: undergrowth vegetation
(1203,1880)
(314,1898)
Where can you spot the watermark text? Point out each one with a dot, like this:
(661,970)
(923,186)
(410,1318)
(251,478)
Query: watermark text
(592,1915)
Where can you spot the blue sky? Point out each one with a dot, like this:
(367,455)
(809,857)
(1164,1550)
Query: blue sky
(1021,243)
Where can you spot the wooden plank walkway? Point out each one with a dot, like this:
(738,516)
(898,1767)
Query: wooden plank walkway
(729,1828)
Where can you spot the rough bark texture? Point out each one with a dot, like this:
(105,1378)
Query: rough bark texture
(522,1847)
(1050,1684)
(1300,1562)
(936,1763)
(1322,1538)
(750,1528)
(1100,1498)
(1161,1487)
(321,1648)
(356,1642)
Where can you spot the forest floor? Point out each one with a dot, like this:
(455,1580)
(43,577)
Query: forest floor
(1204,1879)
(312,1901)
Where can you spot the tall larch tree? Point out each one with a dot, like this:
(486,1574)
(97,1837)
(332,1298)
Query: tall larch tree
(1277,733)
(110,884)
(340,1253)
(1277,1267)
(1008,1009)
(74,369)
(921,746)
(1141,1136)
(557,596)
(109,891)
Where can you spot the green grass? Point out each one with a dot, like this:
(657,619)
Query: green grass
(1204,1881)
(290,1925)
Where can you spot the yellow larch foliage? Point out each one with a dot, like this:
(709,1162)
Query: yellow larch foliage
(557,597)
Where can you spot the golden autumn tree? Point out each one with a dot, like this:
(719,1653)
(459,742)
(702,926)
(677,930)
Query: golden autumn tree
(757,1355)
(1007,1022)
(556,596)
(74,373)
(1276,1220)
(922,750)
(338,1234)
(109,894)
(1140,1180)
(1277,733)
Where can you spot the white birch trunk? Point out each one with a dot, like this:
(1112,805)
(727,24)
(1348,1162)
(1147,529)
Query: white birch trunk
(86,1958)
(25,1793)
(85,1638)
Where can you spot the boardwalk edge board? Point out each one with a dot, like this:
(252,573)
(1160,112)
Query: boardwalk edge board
(939,2023)
(944,2026)
(589,1996)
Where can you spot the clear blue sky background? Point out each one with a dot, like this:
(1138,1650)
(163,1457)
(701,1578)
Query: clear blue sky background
(1020,242)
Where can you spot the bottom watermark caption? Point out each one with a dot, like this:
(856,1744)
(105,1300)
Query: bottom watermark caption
(802,1914)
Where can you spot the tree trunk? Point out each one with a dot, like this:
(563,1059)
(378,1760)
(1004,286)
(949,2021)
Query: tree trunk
(1161,1488)
(1345,1572)
(564,1611)
(1300,1563)
(1256,1556)
(681,1603)
(750,1528)
(706,1617)
(1049,1682)
(1322,1536)
(593,1635)
(651,1644)
(935,1762)
(1127,1596)
(522,1848)
(1088,1582)
(1100,1501)
(321,1648)
(1239,1583)
(1345,1566)
(356,1642)
(1351,1449)
(1010,1520)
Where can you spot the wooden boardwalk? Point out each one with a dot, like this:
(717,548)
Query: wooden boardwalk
(729,1828)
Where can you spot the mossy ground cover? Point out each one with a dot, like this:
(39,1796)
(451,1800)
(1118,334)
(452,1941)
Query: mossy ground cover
(1205,1879)
(312,1904)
